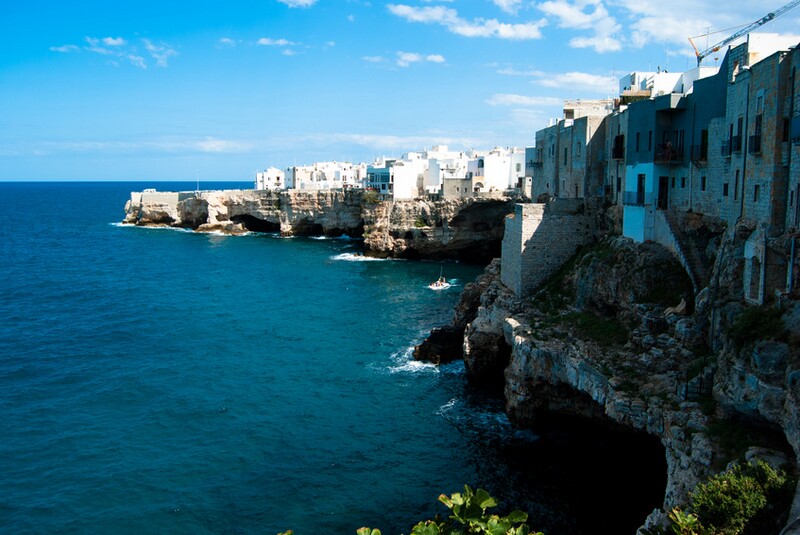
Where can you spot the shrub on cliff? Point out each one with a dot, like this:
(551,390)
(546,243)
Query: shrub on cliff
(748,499)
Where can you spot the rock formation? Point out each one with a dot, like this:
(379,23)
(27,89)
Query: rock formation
(595,342)
(464,229)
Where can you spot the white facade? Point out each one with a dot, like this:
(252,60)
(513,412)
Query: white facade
(497,170)
(326,175)
(271,178)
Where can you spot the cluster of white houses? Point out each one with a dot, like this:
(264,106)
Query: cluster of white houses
(434,171)
(721,141)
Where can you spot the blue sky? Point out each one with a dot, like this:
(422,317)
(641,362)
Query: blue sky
(98,90)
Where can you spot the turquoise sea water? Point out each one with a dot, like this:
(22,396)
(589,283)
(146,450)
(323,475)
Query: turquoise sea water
(162,381)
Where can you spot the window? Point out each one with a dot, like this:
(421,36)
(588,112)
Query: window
(755,193)
(650,140)
(736,186)
(519,166)
(702,183)
(565,155)
(785,136)
(683,182)
(673,182)
(725,189)
(637,141)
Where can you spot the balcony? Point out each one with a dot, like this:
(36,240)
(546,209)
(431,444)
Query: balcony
(667,154)
(754,144)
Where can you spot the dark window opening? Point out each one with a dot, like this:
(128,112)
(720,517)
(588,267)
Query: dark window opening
(702,183)
(725,189)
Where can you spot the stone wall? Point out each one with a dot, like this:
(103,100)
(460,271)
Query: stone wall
(540,238)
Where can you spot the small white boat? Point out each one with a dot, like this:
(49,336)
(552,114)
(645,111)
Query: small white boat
(439,284)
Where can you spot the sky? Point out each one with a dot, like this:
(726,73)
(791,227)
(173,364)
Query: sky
(216,90)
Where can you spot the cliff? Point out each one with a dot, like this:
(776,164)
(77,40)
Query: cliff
(464,229)
(606,339)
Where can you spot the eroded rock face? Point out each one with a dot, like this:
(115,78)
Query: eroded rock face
(463,229)
(644,383)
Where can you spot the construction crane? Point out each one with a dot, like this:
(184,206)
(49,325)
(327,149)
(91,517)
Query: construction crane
(747,29)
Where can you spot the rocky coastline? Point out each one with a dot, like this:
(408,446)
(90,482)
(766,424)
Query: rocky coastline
(607,339)
(440,229)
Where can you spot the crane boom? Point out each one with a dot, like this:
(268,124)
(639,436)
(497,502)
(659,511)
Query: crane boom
(747,29)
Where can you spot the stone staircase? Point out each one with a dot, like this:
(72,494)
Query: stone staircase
(687,253)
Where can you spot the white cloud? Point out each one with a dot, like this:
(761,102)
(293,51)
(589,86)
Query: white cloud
(373,59)
(137,61)
(574,15)
(509,6)
(64,48)
(579,81)
(227,41)
(288,52)
(404,59)
(161,53)
(450,19)
(94,46)
(114,41)
(266,41)
(298,3)
(506,99)
(572,81)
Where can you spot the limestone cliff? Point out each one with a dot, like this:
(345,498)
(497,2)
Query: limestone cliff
(604,339)
(465,229)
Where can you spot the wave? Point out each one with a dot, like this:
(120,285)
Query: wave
(404,362)
(356,257)
(120,224)
(343,237)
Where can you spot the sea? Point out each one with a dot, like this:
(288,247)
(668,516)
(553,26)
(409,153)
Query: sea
(157,380)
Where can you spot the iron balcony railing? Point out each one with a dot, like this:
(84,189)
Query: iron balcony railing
(668,154)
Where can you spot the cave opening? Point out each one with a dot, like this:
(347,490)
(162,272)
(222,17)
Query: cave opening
(254,224)
(307,228)
(588,473)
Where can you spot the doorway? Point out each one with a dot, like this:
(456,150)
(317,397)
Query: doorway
(663,192)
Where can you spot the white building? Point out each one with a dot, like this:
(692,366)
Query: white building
(271,178)
(497,170)
(326,175)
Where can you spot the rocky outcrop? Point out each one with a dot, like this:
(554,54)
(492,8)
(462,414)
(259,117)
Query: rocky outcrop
(463,229)
(595,342)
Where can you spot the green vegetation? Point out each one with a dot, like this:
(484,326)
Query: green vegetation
(748,499)
(420,222)
(371,197)
(603,331)
(757,323)
(671,284)
(469,516)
